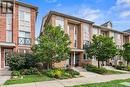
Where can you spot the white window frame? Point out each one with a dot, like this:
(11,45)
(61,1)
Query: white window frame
(60,22)
(86,32)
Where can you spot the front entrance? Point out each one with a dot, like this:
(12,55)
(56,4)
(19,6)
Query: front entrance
(75,59)
(7,54)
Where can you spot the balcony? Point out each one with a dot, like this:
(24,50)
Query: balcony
(24,41)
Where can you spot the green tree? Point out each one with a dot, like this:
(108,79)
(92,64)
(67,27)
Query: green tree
(103,48)
(126,52)
(53,46)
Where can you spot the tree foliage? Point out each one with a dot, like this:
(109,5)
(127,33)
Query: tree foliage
(53,45)
(126,52)
(103,48)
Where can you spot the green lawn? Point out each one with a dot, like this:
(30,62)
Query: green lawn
(115,83)
(28,79)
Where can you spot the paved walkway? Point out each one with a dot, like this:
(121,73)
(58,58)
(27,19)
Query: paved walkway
(111,68)
(75,81)
(4,75)
(88,78)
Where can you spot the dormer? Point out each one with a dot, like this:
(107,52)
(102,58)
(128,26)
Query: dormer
(107,24)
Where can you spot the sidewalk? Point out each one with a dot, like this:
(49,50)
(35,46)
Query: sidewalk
(75,81)
(4,75)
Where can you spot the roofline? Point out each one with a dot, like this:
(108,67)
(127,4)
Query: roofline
(68,16)
(27,5)
(111,29)
(126,30)
(79,19)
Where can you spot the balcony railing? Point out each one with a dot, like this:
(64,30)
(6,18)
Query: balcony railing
(24,41)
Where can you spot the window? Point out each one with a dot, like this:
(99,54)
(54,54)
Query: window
(85,56)
(8,28)
(95,31)
(24,26)
(60,22)
(85,32)
(24,38)
(8,36)
(6,7)
(75,43)
(23,50)
(75,36)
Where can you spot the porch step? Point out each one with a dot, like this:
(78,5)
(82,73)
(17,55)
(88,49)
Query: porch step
(5,72)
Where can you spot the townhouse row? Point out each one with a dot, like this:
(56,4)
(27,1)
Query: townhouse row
(80,32)
(17,32)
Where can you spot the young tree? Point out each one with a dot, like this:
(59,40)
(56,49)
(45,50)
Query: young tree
(126,52)
(103,48)
(53,46)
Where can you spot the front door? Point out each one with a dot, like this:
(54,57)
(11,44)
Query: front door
(76,59)
(7,56)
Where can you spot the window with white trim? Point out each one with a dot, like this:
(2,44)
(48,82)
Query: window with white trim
(60,22)
(8,27)
(85,33)
(95,31)
(75,35)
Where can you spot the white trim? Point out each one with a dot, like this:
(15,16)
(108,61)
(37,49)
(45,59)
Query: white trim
(6,44)
(77,50)
(74,58)
(68,30)
(4,59)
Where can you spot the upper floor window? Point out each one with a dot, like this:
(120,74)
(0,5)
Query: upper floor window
(60,22)
(75,35)
(8,27)
(95,31)
(24,26)
(85,32)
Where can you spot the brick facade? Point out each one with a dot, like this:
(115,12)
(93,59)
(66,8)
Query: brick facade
(79,52)
(15,31)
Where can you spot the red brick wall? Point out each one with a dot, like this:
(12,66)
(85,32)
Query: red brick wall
(15,31)
(15,27)
(33,20)
(2,27)
(2,58)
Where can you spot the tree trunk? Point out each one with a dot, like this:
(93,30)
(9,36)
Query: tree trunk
(127,64)
(102,63)
(98,64)
(48,66)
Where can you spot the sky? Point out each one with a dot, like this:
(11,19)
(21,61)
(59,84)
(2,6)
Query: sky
(98,11)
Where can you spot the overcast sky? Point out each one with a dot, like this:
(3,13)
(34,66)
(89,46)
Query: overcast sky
(98,11)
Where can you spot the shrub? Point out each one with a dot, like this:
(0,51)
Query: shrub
(95,69)
(56,73)
(128,68)
(31,61)
(62,73)
(16,62)
(121,67)
(31,71)
(15,73)
(21,61)
(72,72)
